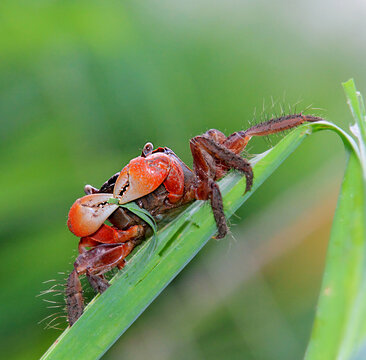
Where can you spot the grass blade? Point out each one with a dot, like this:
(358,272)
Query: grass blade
(356,104)
(339,330)
(109,315)
(333,332)
(148,218)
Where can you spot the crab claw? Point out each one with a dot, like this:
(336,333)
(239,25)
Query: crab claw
(141,177)
(88,213)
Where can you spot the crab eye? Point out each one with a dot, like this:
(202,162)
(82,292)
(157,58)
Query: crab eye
(147,150)
(88,189)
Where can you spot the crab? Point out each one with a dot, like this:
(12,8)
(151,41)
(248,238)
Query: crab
(157,181)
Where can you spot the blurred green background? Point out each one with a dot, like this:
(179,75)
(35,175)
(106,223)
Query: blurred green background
(83,86)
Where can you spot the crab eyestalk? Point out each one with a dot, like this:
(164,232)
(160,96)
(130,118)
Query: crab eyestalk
(88,214)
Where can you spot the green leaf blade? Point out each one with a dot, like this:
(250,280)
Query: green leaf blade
(333,333)
(356,104)
(148,218)
(339,330)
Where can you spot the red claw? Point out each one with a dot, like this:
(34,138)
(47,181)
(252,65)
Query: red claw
(88,213)
(141,177)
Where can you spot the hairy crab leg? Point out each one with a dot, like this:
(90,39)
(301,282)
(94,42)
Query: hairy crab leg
(205,186)
(213,156)
(94,263)
(98,283)
(223,155)
(74,298)
(237,141)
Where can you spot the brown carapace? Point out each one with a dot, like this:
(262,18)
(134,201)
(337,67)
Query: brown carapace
(158,181)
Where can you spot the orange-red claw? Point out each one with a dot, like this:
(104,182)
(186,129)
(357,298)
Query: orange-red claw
(88,213)
(141,177)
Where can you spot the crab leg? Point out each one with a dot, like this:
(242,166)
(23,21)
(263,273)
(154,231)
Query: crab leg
(98,283)
(213,156)
(109,235)
(102,258)
(74,298)
(237,141)
(94,263)
(219,153)
(86,242)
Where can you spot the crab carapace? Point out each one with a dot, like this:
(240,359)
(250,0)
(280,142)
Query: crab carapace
(158,181)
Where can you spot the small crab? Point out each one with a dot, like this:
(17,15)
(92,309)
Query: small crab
(157,181)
